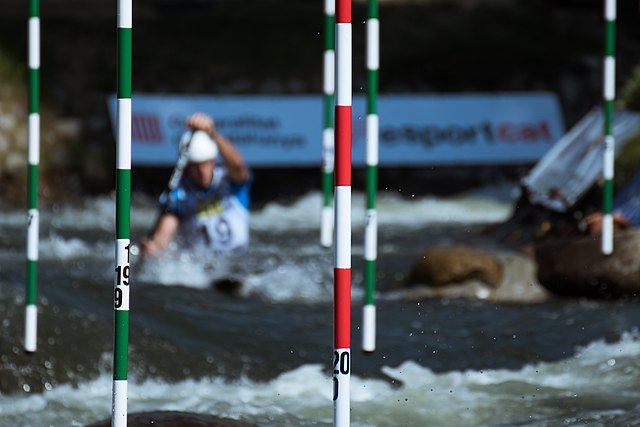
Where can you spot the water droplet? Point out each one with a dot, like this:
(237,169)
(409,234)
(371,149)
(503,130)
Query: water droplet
(26,387)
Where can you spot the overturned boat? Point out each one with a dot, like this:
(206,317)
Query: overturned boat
(575,266)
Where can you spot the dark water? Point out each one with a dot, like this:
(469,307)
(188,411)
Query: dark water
(264,355)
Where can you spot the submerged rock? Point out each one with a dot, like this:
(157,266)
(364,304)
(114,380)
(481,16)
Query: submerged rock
(175,419)
(500,277)
(441,266)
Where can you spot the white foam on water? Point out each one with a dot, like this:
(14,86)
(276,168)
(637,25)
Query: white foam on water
(600,376)
(308,279)
(98,213)
(392,210)
(302,273)
(13,219)
(57,247)
(179,268)
(290,282)
(476,207)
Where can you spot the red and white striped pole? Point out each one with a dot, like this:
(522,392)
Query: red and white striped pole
(342,229)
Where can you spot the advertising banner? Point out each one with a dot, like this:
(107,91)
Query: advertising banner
(286,130)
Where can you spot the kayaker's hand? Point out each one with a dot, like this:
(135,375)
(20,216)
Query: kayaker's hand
(593,223)
(148,247)
(201,121)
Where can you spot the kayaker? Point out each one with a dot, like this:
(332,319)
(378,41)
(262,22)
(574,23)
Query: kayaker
(626,209)
(209,208)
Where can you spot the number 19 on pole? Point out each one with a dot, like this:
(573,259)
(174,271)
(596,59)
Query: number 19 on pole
(121,296)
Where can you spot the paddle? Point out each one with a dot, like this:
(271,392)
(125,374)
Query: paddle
(183,147)
(176,175)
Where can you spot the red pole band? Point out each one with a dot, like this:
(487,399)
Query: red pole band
(343,145)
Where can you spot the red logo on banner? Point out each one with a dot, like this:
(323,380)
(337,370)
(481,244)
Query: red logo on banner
(524,132)
(145,128)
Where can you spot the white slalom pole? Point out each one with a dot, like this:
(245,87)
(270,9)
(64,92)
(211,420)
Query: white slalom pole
(609,94)
(122,282)
(33,217)
(326,217)
(371,216)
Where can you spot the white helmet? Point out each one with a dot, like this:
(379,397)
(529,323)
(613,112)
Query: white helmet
(201,147)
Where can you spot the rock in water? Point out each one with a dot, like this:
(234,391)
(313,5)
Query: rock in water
(228,285)
(175,419)
(441,266)
(575,266)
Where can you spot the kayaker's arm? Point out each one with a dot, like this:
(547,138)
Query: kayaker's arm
(238,172)
(162,234)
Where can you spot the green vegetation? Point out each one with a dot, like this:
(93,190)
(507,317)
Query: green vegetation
(11,72)
(628,161)
(631,91)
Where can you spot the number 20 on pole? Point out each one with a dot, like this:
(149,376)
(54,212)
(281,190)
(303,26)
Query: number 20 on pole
(341,369)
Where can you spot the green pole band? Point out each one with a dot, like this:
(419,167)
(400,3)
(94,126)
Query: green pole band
(34,90)
(34,8)
(608,117)
(608,196)
(121,344)
(329,32)
(124,62)
(33,186)
(328,111)
(32,285)
(123,203)
(372,93)
(372,185)
(373,9)
(369,280)
(610,38)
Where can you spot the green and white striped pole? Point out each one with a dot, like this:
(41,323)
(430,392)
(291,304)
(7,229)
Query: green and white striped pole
(609,94)
(326,218)
(33,217)
(371,215)
(123,213)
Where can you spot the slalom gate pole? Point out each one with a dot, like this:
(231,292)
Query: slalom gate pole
(609,94)
(123,216)
(33,216)
(326,218)
(342,257)
(371,214)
